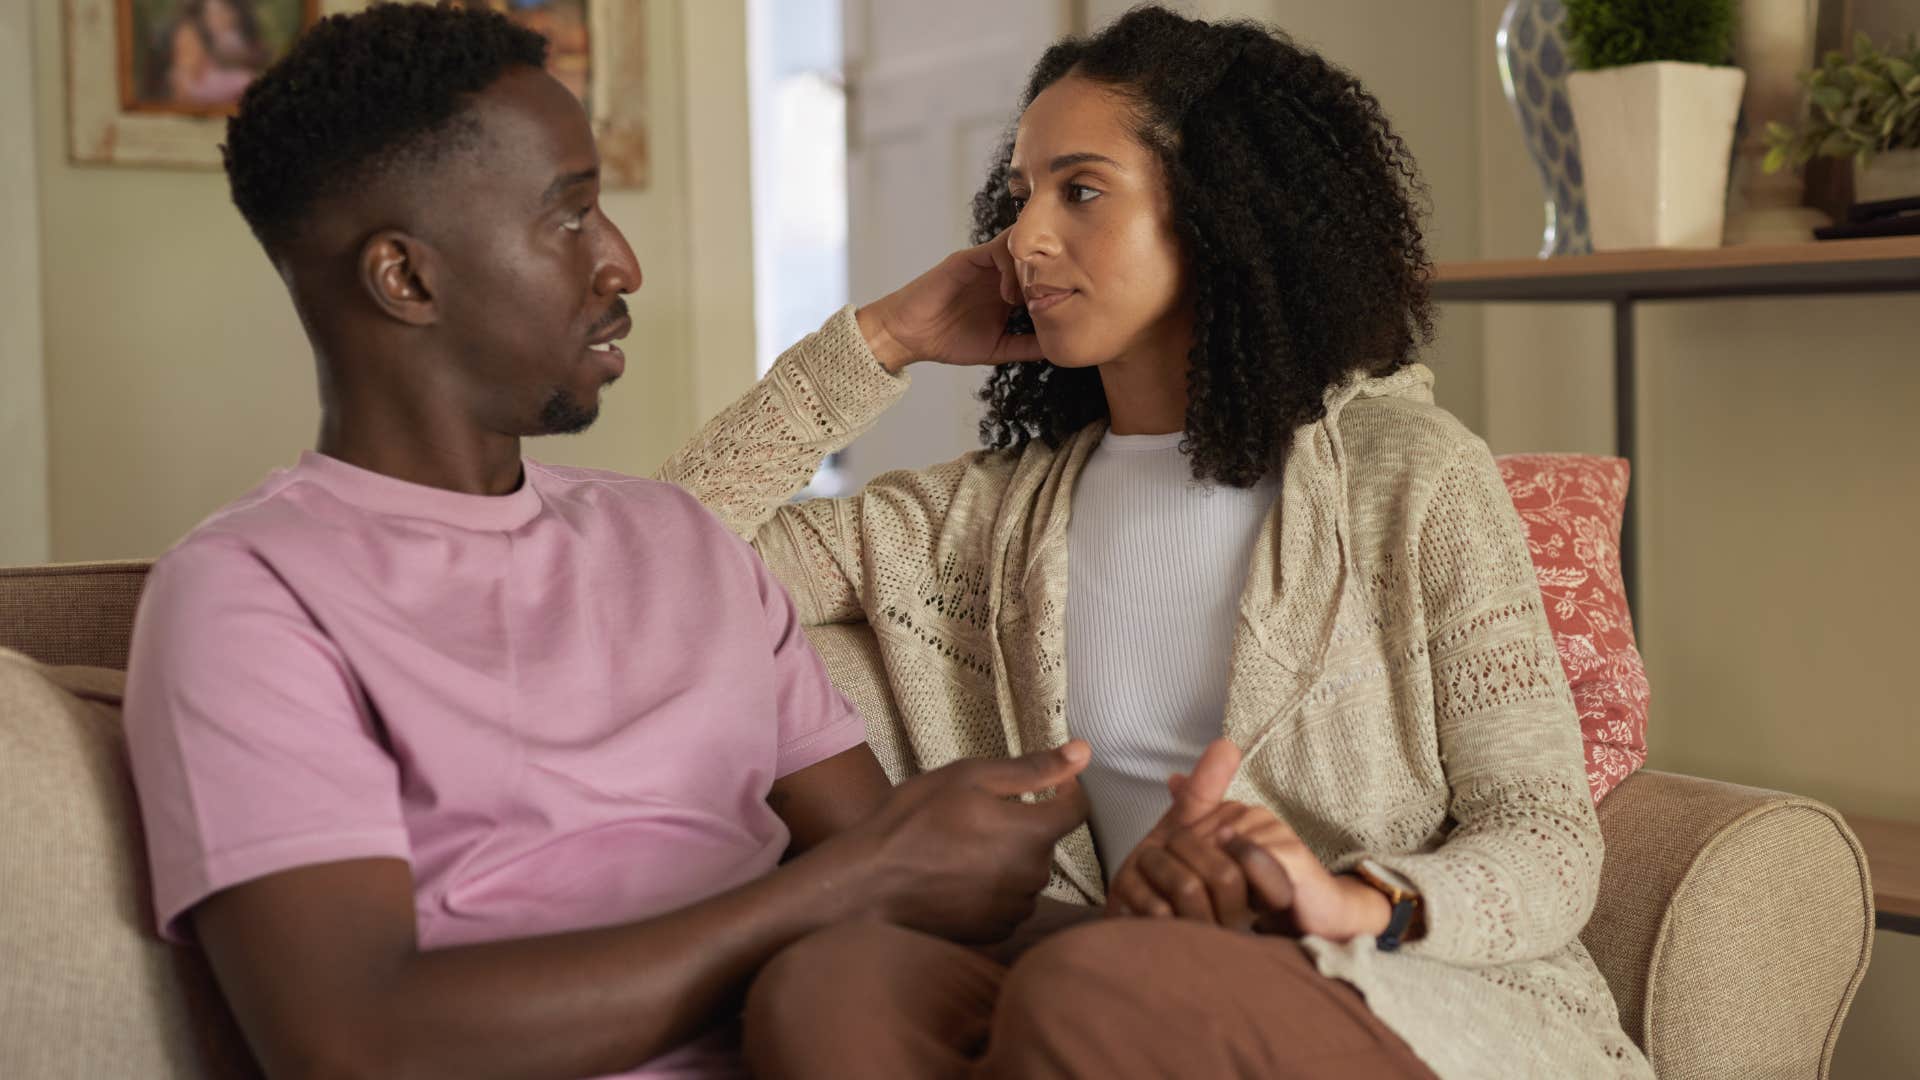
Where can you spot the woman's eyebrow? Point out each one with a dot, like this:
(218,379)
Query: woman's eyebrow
(1068,161)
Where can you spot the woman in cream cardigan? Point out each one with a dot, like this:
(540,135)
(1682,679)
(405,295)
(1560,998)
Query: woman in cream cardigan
(1227,497)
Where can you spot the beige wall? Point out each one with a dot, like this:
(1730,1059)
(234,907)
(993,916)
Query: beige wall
(177,375)
(1778,477)
(23,432)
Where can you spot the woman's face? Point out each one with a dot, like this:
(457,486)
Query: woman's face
(1094,244)
(220,18)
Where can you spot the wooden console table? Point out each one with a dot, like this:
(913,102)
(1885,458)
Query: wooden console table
(1624,279)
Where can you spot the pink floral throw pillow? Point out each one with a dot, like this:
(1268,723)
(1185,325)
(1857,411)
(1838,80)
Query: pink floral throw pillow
(1572,505)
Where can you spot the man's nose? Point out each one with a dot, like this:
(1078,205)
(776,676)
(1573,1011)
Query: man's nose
(619,270)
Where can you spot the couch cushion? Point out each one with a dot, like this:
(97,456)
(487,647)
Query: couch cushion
(88,988)
(71,613)
(1572,505)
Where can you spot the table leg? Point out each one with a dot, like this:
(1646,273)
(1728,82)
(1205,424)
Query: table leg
(1625,438)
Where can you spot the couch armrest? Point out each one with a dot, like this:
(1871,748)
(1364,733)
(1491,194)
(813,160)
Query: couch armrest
(1734,925)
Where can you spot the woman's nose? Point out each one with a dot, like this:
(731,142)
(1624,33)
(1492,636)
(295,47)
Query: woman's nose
(1031,238)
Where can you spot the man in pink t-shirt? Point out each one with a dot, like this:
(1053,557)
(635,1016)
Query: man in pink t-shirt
(457,764)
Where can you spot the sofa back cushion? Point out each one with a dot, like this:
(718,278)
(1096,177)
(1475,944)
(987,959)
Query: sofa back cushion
(88,988)
(71,613)
(1572,505)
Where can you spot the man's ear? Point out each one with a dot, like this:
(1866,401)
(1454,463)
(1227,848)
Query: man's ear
(397,270)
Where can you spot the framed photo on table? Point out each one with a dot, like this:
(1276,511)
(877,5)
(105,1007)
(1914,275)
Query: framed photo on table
(151,82)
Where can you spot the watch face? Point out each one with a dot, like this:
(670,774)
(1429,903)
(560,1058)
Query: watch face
(1389,877)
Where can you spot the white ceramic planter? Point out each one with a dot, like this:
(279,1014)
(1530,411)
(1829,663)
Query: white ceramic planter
(1892,175)
(1656,139)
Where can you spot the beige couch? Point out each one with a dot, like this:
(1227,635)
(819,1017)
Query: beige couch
(1733,924)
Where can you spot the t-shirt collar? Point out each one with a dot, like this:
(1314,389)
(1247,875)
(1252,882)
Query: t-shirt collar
(385,494)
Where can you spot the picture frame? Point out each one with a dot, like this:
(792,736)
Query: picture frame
(121,113)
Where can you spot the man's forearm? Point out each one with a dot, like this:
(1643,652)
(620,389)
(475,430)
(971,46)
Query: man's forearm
(583,1003)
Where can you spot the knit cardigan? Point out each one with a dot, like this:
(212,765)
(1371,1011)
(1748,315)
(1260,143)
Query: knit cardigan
(1394,685)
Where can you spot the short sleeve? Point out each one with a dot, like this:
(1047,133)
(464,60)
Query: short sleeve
(816,721)
(252,747)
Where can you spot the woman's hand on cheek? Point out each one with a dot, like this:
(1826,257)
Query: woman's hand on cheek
(955,313)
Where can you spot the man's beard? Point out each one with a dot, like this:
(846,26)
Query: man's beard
(562,415)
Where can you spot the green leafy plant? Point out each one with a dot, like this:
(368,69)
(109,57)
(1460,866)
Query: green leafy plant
(1856,108)
(1614,33)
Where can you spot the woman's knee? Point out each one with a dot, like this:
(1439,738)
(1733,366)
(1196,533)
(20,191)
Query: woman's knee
(1114,958)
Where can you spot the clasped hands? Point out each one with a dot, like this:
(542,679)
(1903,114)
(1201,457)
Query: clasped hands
(1238,866)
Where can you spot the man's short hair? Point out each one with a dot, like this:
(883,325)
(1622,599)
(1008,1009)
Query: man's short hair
(359,96)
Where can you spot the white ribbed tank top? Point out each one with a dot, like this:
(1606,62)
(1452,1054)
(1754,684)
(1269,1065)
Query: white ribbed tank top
(1156,564)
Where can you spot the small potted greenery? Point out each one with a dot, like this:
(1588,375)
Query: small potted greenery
(1655,102)
(1865,107)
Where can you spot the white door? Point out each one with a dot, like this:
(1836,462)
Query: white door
(931,87)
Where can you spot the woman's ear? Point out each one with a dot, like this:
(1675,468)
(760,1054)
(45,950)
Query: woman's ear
(397,272)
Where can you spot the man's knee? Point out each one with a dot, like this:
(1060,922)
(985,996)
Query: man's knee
(848,957)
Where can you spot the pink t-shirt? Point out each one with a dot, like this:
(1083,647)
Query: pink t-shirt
(564,707)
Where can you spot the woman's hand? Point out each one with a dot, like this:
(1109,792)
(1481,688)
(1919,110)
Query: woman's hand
(955,313)
(1292,891)
(1238,866)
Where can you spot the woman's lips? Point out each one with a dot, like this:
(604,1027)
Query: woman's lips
(1047,299)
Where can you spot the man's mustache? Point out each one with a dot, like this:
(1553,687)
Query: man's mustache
(614,314)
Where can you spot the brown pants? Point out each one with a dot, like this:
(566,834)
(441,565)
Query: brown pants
(1111,998)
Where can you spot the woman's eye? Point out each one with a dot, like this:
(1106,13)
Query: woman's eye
(1019,202)
(1081,193)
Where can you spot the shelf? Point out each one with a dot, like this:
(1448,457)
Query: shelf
(1893,855)
(1888,264)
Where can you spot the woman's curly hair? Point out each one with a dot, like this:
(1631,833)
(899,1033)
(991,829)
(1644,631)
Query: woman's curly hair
(1298,213)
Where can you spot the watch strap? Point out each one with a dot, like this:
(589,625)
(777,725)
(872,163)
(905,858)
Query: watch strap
(1397,924)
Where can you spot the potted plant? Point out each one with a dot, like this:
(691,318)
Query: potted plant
(1655,103)
(1867,108)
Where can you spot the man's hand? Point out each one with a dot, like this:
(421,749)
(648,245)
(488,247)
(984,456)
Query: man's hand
(955,313)
(954,853)
(1150,882)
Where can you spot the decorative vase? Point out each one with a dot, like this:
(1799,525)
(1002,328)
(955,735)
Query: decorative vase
(1774,43)
(1892,174)
(1534,62)
(1656,139)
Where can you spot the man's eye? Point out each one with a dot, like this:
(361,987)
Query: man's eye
(579,218)
(1081,193)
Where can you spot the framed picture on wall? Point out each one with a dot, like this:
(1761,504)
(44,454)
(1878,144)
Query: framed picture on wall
(151,82)
(598,50)
(195,57)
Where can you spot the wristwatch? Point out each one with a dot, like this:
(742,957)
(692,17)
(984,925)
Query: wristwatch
(1399,892)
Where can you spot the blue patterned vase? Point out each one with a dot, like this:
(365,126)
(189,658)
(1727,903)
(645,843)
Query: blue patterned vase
(1534,62)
